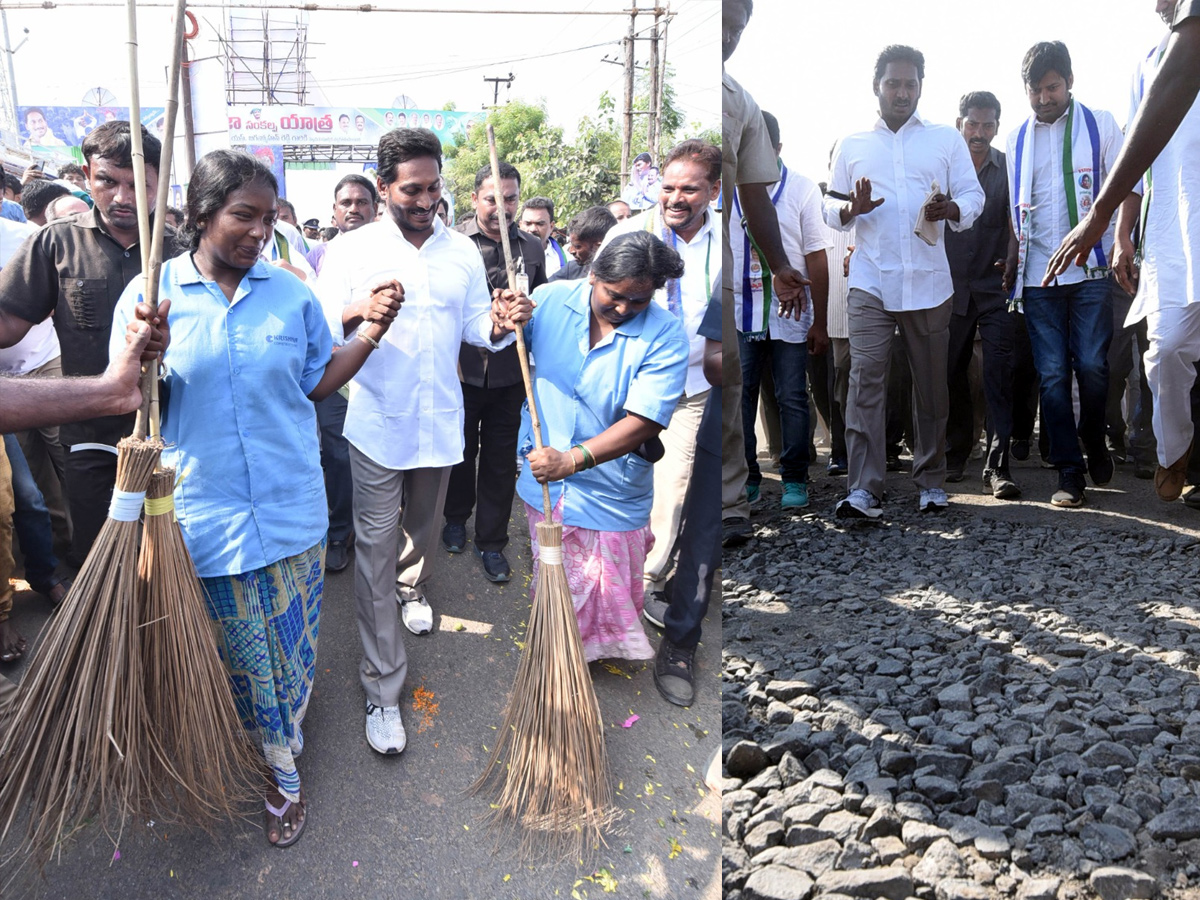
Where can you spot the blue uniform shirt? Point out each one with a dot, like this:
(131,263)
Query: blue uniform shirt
(238,420)
(640,367)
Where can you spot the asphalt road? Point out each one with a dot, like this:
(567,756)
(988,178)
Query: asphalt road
(402,826)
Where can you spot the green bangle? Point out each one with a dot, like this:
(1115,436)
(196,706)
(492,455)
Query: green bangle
(589,461)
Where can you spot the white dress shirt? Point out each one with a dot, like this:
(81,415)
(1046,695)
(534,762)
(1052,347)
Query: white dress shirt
(406,406)
(889,261)
(1049,220)
(701,273)
(839,315)
(1170,274)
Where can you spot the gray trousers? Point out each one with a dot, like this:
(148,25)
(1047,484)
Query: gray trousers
(925,334)
(396,518)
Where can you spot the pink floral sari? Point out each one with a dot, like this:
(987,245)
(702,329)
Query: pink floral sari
(604,571)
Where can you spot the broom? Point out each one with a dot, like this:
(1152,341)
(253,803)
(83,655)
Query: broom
(74,746)
(78,734)
(549,768)
(207,763)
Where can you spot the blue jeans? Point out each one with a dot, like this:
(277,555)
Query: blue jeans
(789,364)
(31,522)
(1070,328)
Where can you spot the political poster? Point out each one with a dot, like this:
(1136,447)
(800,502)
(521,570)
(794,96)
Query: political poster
(57,132)
(340,125)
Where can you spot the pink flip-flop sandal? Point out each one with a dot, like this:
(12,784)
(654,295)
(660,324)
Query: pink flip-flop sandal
(283,826)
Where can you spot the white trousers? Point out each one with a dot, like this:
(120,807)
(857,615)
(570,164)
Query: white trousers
(1170,370)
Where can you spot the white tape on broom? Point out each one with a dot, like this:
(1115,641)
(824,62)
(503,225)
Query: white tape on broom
(551,555)
(126,506)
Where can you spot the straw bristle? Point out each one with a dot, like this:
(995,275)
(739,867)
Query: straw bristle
(209,765)
(549,769)
(75,745)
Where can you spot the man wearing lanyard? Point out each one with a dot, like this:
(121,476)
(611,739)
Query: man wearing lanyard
(898,278)
(765,337)
(691,182)
(1057,161)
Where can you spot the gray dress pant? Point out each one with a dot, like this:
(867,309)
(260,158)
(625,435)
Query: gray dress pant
(925,334)
(397,514)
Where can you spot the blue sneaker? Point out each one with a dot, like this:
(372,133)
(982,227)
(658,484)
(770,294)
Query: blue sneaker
(795,495)
(752,494)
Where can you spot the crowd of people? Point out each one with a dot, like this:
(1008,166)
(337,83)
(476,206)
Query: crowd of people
(360,399)
(932,266)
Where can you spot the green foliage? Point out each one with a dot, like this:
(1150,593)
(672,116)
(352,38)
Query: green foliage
(576,175)
(510,122)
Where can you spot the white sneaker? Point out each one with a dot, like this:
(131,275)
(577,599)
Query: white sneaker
(859,504)
(932,500)
(385,731)
(416,614)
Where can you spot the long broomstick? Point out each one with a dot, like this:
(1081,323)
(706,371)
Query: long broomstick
(206,763)
(549,768)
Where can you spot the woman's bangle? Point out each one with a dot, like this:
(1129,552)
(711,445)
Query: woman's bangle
(589,461)
(366,337)
(574,462)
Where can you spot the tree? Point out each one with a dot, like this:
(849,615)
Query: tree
(511,123)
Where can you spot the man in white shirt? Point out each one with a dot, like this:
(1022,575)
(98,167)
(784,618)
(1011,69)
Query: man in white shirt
(1070,323)
(767,338)
(405,416)
(682,218)
(537,218)
(899,279)
(1166,297)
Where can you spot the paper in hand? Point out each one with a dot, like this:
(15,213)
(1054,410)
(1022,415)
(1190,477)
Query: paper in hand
(924,229)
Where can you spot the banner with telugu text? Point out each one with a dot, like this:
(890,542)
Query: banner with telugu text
(333,125)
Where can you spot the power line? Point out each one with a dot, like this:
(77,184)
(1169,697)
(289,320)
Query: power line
(310,7)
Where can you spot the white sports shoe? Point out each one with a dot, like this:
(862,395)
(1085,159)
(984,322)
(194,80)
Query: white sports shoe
(859,504)
(385,731)
(416,613)
(933,500)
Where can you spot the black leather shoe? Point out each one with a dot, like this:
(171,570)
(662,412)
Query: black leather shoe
(495,566)
(735,531)
(673,673)
(454,537)
(1100,467)
(337,555)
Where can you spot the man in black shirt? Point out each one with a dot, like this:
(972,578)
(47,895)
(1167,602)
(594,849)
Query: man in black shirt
(976,258)
(587,231)
(76,269)
(492,387)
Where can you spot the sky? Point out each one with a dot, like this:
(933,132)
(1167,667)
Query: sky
(825,92)
(367,59)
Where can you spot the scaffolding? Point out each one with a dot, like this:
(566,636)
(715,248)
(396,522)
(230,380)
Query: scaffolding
(266,57)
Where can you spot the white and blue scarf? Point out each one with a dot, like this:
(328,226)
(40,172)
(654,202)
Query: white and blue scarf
(754,307)
(1081,141)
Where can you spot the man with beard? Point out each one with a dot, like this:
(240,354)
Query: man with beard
(882,185)
(492,387)
(976,257)
(404,422)
(76,270)
(1058,160)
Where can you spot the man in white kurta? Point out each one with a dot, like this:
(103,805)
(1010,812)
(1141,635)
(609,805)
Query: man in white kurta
(1169,284)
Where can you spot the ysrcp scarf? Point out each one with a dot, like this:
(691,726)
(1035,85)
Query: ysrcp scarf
(754,297)
(1081,175)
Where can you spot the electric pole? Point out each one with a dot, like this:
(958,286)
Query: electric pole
(627,127)
(652,130)
(496,82)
